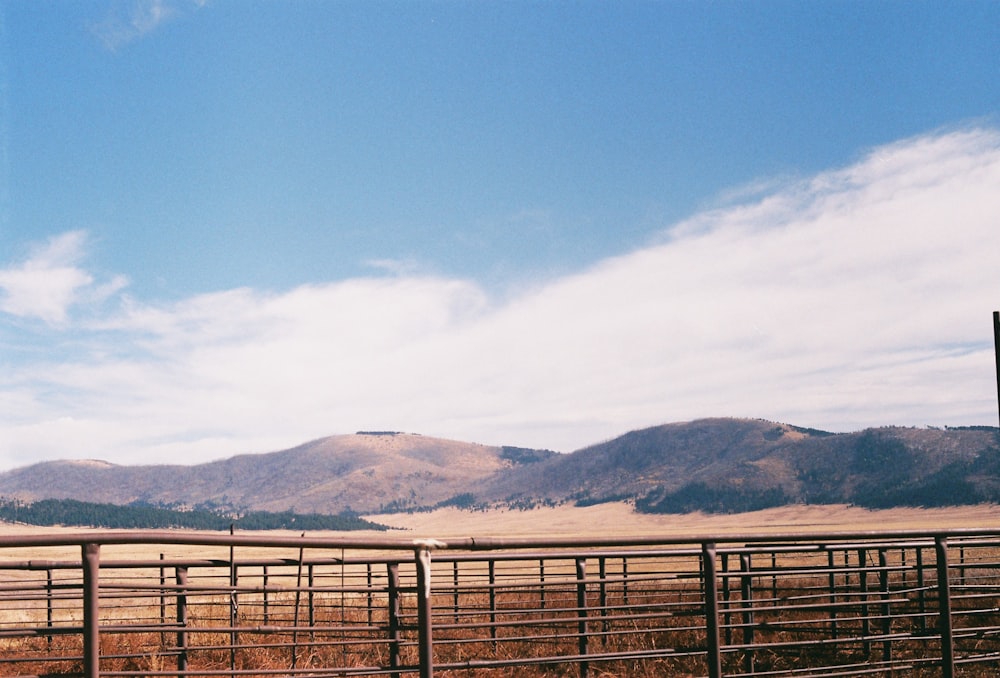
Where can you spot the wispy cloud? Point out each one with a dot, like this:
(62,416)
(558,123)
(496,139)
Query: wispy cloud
(129,21)
(50,281)
(857,297)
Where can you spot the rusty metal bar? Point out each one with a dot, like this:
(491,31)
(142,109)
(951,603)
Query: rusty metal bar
(394,612)
(425,642)
(710,585)
(746,593)
(181,576)
(48,602)
(944,608)
(602,573)
(541,582)
(886,614)
(492,569)
(166,537)
(581,613)
(91,554)
(670,622)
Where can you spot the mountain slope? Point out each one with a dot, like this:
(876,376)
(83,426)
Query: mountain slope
(363,472)
(739,464)
(709,464)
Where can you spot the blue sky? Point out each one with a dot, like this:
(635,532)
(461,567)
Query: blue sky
(234,226)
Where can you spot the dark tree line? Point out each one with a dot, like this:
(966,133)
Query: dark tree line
(73,513)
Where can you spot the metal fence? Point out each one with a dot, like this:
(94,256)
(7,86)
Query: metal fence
(904,603)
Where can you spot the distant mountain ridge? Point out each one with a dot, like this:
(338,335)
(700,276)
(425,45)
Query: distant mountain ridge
(718,464)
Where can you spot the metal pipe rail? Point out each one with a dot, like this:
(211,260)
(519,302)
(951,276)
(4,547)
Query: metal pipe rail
(862,603)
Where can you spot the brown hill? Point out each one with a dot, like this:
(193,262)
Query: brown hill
(741,464)
(709,464)
(364,472)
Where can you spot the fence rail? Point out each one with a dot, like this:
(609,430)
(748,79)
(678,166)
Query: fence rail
(904,603)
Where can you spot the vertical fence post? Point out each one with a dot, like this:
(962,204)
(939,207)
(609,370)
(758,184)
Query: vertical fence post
(727,617)
(832,583)
(944,608)
(492,567)
(541,583)
(922,595)
(48,606)
(394,611)
(91,554)
(267,609)
(883,578)
(371,593)
(234,614)
(603,574)
(233,603)
(746,593)
(581,614)
(163,600)
(311,580)
(454,593)
(425,641)
(863,587)
(710,586)
(625,581)
(295,614)
(181,575)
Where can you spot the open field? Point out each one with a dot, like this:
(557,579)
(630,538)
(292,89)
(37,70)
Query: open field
(618,519)
(738,604)
(602,520)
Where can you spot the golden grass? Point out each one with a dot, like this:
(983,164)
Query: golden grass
(618,519)
(603,520)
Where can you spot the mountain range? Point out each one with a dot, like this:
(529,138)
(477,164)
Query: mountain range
(719,465)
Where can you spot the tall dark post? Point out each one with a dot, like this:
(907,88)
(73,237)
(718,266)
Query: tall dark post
(996,346)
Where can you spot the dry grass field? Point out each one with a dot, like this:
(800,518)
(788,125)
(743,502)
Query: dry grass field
(679,628)
(602,520)
(618,519)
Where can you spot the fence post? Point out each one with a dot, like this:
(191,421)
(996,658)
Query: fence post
(727,619)
(492,567)
(425,641)
(863,588)
(48,606)
(541,583)
(394,611)
(746,593)
(371,593)
(163,600)
(883,578)
(922,596)
(454,594)
(944,608)
(581,614)
(91,554)
(311,579)
(603,574)
(233,602)
(267,609)
(625,581)
(181,575)
(832,583)
(234,612)
(710,586)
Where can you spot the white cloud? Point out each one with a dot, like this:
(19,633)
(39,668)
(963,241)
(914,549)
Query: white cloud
(858,297)
(131,20)
(50,281)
